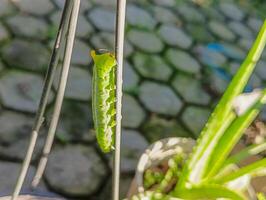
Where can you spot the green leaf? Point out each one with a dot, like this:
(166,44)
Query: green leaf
(258,173)
(245,153)
(247,170)
(261,196)
(218,122)
(151,195)
(232,136)
(212,191)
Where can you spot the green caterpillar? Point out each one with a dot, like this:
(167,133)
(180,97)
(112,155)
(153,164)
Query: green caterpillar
(103,99)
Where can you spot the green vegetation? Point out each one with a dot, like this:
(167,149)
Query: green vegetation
(210,168)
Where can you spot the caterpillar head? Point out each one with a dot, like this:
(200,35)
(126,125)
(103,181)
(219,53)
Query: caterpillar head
(104,59)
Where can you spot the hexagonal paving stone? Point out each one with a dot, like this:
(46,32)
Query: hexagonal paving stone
(1,66)
(138,2)
(84,28)
(221,31)
(199,33)
(245,43)
(146,41)
(21,91)
(37,7)
(9,174)
(132,113)
(79,172)
(190,89)
(233,51)
(36,28)
(263,55)
(133,145)
(212,13)
(159,98)
(125,183)
(158,128)
(260,69)
(168,3)
(190,13)
(80,53)
(84,5)
(195,118)
(128,48)
(232,11)
(152,66)
(218,83)
(139,17)
(254,83)
(209,57)
(59,3)
(165,15)
(55,17)
(234,66)
(105,40)
(110,3)
(254,23)
(6,7)
(28,55)
(3,33)
(182,61)
(75,122)
(14,127)
(175,36)
(240,29)
(102,18)
(262,114)
(17,150)
(130,79)
(78,84)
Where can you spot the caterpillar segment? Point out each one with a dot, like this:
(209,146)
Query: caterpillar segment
(103,99)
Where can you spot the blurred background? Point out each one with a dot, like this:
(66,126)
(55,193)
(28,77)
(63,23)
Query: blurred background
(180,56)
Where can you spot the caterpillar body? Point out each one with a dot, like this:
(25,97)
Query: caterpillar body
(103,99)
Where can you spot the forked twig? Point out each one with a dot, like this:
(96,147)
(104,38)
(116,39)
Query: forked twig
(70,37)
(70,14)
(43,101)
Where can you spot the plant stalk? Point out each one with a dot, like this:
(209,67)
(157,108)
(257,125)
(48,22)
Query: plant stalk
(119,54)
(43,101)
(70,37)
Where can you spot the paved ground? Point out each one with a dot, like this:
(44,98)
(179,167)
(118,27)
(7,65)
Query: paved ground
(179,59)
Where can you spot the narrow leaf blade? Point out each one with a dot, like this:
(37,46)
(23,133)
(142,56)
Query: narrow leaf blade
(252,150)
(211,191)
(247,170)
(232,136)
(196,166)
